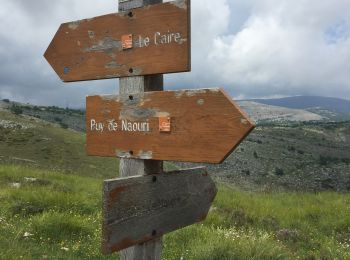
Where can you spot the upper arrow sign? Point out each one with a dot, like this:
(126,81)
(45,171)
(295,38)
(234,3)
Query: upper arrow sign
(150,40)
(202,125)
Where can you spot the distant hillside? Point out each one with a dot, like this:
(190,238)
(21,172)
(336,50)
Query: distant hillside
(262,113)
(306,102)
(65,117)
(297,156)
(301,156)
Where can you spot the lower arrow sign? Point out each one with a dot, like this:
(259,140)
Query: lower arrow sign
(138,209)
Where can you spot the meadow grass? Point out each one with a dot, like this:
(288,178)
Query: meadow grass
(48,214)
(43,145)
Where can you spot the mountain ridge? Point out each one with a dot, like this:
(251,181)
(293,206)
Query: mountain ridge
(306,102)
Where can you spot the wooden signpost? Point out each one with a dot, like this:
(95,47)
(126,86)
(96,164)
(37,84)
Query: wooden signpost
(147,37)
(202,125)
(129,167)
(143,41)
(182,198)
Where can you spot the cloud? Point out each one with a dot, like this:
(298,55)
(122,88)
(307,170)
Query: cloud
(285,49)
(210,19)
(252,48)
(276,48)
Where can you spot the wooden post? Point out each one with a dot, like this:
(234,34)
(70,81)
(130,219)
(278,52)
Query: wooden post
(130,167)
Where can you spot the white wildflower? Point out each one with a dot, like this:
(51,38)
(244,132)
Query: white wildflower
(28,179)
(16,185)
(27,234)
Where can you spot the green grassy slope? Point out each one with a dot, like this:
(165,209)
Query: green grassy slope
(49,215)
(30,141)
(244,225)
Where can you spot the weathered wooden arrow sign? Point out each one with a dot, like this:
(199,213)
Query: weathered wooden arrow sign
(202,125)
(138,209)
(149,40)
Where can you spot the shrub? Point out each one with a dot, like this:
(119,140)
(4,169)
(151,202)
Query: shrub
(16,110)
(63,125)
(325,160)
(346,160)
(291,148)
(279,171)
(246,172)
(288,235)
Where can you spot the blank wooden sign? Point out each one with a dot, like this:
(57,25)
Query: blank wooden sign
(202,125)
(142,208)
(150,40)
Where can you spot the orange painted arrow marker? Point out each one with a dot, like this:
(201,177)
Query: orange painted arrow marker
(202,125)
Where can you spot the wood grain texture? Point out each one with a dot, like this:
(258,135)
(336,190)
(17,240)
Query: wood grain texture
(91,49)
(141,208)
(151,249)
(130,167)
(206,125)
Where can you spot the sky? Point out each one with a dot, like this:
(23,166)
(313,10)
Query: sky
(251,48)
